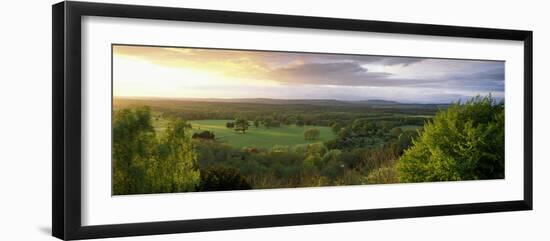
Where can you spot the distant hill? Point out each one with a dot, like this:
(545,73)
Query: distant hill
(317,102)
(378,102)
(276,101)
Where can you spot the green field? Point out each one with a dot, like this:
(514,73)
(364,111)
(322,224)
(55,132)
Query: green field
(409,127)
(255,136)
(260,136)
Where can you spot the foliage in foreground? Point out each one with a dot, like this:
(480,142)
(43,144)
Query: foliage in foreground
(145,163)
(466,142)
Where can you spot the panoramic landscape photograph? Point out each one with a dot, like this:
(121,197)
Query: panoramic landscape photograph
(203,119)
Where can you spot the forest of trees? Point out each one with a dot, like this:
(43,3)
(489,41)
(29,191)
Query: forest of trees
(462,142)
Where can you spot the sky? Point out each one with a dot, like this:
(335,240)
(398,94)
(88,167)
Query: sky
(142,71)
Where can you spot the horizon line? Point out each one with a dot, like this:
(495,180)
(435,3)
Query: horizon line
(266,98)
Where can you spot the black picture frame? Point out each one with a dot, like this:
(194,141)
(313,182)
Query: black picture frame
(66,128)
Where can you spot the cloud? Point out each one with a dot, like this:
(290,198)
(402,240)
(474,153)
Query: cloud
(486,76)
(482,77)
(170,56)
(285,67)
(338,73)
(380,60)
(486,72)
(445,78)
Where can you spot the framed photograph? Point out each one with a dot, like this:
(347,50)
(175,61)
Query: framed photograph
(169,120)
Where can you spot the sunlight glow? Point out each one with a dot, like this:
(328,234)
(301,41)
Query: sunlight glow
(136,77)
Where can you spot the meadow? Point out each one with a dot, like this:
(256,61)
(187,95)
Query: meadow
(260,136)
(255,136)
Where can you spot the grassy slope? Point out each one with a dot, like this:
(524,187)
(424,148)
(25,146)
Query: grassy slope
(259,137)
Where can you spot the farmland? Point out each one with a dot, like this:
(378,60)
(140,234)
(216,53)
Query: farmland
(323,115)
(259,136)
(263,143)
(272,143)
(256,136)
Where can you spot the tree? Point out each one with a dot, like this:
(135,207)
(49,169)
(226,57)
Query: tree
(146,163)
(133,147)
(268,121)
(230,125)
(176,166)
(300,121)
(465,142)
(332,164)
(291,120)
(276,123)
(257,121)
(336,127)
(311,134)
(363,127)
(241,124)
(316,149)
(205,135)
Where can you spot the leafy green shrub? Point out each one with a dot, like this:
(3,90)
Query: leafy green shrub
(465,142)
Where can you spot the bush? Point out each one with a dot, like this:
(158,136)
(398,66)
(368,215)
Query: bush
(206,135)
(221,178)
(465,142)
(383,175)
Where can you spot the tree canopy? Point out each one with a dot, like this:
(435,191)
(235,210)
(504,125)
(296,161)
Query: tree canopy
(465,142)
(133,149)
(241,124)
(146,163)
(312,134)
